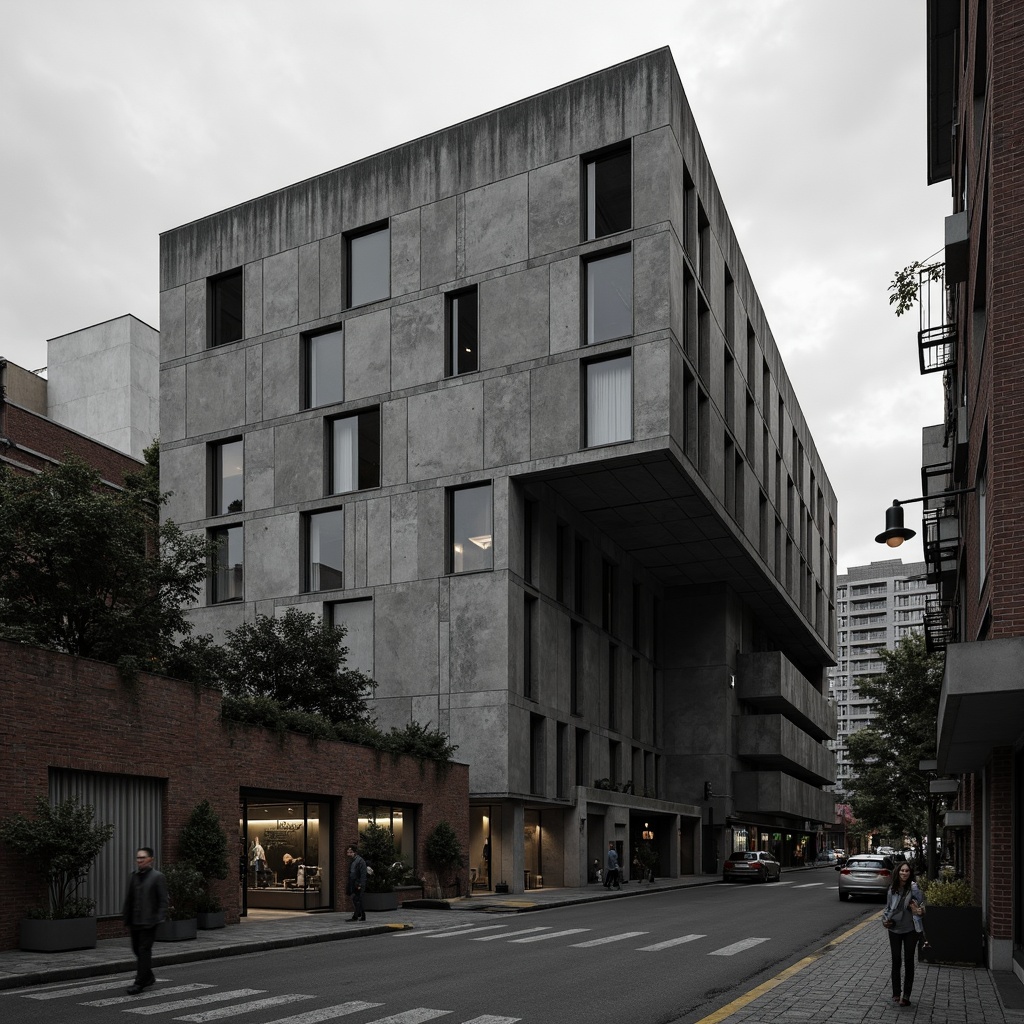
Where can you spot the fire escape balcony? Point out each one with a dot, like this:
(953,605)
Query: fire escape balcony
(941,548)
(938,625)
(937,334)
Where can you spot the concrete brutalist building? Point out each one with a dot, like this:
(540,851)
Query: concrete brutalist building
(503,401)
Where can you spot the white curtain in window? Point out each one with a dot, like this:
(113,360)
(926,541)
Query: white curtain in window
(609,401)
(345,455)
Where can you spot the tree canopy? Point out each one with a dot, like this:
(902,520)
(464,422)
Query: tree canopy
(890,793)
(91,571)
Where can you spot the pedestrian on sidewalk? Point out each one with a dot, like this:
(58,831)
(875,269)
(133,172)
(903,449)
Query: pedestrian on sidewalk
(145,907)
(356,883)
(904,908)
(611,874)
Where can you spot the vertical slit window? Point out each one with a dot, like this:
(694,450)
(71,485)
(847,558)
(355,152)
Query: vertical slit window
(325,562)
(609,401)
(609,306)
(226,308)
(228,478)
(325,369)
(227,576)
(355,452)
(369,266)
(609,194)
(463,332)
(470,517)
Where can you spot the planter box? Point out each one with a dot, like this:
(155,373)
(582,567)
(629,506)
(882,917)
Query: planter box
(214,919)
(955,936)
(57,936)
(374,901)
(176,931)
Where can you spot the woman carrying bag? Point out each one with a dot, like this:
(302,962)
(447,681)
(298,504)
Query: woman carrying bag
(904,908)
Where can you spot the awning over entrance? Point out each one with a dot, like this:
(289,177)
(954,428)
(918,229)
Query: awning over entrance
(982,702)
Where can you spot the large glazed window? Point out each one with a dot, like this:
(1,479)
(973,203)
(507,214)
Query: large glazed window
(609,401)
(470,519)
(463,333)
(609,284)
(355,452)
(325,550)
(325,369)
(369,266)
(225,308)
(227,474)
(609,196)
(227,571)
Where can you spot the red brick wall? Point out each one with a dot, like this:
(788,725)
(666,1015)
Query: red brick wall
(48,438)
(1000,835)
(64,712)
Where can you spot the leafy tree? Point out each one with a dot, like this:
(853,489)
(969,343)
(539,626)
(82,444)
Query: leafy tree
(91,571)
(297,662)
(890,793)
(904,284)
(444,855)
(377,847)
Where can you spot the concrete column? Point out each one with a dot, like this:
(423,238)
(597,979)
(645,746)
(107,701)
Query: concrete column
(512,855)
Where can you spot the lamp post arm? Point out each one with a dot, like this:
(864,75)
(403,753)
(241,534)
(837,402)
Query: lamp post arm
(934,497)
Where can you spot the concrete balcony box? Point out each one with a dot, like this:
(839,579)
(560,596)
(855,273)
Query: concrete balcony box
(777,793)
(772,741)
(774,685)
(40,936)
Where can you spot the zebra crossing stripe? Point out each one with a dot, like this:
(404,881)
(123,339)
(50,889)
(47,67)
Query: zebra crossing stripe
(550,935)
(232,1011)
(417,1016)
(808,885)
(670,942)
(79,990)
(327,1013)
(508,935)
(185,1004)
(153,993)
(606,939)
(489,1018)
(737,947)
(423,932)
(467,931)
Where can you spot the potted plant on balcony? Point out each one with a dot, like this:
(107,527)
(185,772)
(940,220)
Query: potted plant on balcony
(377,847)
(60,843)
(952,923)
(204,845)
(185,888)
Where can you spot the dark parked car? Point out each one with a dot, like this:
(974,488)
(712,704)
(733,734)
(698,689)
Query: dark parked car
(751,866)
(865,874)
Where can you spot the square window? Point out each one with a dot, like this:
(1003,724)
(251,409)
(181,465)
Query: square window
(227,476)
(470,527)
(463,332)
(225,308)
(325,550)
(369,266)
(609,298)
(325,369)
(355,452)
(227,570)
(609,401)
(609,196)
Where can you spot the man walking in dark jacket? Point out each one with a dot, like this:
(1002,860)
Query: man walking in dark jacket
(356,884)
(145,907)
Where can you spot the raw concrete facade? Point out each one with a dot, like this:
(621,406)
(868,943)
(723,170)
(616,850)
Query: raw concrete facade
(649,550)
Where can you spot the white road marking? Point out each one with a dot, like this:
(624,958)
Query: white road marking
(489,1018)
(552,935)
(152,993)
(808,885)
(232,1011)
(508,935)
(327,1013)
(421,1013)
(466,931)
(670,942)
(737,947)
(606,939)
(79,990)
(184,1004)
(421,932)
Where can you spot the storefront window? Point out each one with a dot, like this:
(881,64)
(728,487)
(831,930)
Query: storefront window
(402,823)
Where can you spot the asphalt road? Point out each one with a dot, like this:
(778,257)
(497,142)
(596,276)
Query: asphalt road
(667,957)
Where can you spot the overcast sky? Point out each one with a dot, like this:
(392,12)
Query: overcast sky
(120,119)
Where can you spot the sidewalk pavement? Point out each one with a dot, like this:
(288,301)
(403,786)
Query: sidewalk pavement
(844,982)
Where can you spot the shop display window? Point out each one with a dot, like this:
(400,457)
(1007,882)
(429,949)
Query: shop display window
(402,823)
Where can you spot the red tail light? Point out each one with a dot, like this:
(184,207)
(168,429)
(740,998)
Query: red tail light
(728,865)
(884,873)
(845,871)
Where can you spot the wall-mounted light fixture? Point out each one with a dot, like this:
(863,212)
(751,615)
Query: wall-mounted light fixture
(895,533)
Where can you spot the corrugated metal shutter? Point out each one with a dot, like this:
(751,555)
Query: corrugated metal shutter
(135,806)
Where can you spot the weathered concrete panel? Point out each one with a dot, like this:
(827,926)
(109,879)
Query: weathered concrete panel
(252,299)
(496,224)
(507,420)
(259,469)
(405,253)
(417,342)
(514,318)
(555,409)
(195,317)
(478,607)
(172,404)
(281,384)
(394,443)
(215,392)
(657,180)
(378,541)
(332,290)
(437,243)
(183,473)
(404,538)
(309,282)
(565,287)
(651,293)
(281,290)
(406,634)
(172,324)
(431,554)
(253,383)
(298,461)
(273,565)
(651,396)
(554,207)
(446,431)
(368,355)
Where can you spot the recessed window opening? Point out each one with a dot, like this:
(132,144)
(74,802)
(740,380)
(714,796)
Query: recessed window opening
(609,194)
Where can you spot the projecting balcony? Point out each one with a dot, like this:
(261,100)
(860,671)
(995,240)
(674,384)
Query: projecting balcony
(771,741)
(773,685)
(776,793)
(937,334)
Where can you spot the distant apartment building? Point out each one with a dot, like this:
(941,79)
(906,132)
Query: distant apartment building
(876,605)
(503,401)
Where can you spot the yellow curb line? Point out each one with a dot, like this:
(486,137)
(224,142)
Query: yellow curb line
(745,1000)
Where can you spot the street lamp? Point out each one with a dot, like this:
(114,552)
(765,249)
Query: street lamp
(895,533)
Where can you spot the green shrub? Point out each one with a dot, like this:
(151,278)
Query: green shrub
(185,888)
(444,855)
(377,847)
(953,893)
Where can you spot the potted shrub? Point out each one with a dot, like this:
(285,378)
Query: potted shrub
(377,847)
(952,923)
(185,888)
(61,843)
(444,855)
(204,845)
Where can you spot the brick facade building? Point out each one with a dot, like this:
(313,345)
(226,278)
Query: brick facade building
(152,752)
